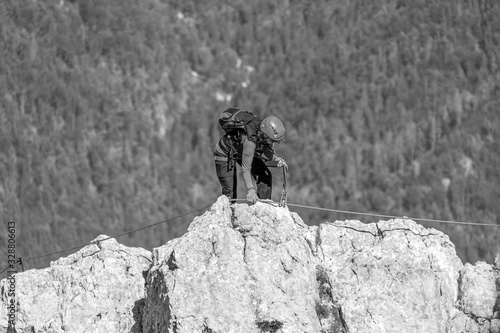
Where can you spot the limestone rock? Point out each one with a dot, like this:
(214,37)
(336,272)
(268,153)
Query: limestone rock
(478,299)
(218,279)
(393,276)
(477,291)
(259,268)
(97,289)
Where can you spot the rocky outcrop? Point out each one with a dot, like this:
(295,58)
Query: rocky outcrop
(98,289)
(216,278)
(259,268)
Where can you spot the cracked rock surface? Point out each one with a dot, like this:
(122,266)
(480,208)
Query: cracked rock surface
(97,289)
(238,266)
(259,268)
(231,279)
(393,276)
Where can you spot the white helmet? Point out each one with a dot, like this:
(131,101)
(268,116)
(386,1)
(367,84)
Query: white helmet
(273,128)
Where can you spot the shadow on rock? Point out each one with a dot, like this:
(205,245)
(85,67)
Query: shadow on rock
(137,315)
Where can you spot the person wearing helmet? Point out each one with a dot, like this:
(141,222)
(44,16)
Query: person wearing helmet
(252,148)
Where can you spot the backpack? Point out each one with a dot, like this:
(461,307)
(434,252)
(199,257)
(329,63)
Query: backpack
(233,119)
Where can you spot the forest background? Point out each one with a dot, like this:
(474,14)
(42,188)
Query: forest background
(108,113)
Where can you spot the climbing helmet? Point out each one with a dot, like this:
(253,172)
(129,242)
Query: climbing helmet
(273,128)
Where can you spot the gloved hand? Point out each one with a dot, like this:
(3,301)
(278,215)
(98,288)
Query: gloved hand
(282,164)
(252,196)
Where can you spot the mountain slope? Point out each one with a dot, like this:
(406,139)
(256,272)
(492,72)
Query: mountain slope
(108,112)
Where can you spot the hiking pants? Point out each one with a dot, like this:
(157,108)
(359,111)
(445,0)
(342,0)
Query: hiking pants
(259,171)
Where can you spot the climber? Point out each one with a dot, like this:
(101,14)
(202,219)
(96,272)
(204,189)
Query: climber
(249,142)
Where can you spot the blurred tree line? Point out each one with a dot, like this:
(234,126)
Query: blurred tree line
(108,112)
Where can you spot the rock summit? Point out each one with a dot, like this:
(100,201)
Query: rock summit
(260,268)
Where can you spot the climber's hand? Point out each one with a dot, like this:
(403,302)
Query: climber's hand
(282,164)
(252,196)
